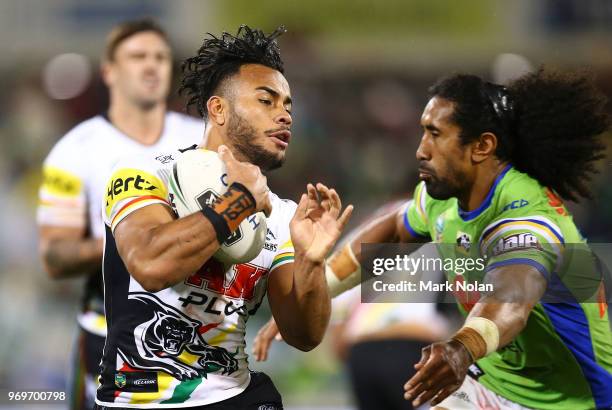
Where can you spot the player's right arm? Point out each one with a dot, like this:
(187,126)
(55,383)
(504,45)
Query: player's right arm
(521,252)
(492,323)
(65,248)
(388,226)
(66,252)
(160,251)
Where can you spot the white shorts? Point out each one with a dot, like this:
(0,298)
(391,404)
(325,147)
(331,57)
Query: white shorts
(474,396)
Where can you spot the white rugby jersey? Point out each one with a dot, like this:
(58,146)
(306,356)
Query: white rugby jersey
(185,345)
(75,174)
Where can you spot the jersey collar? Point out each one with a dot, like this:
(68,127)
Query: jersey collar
(105,116)
(469,215)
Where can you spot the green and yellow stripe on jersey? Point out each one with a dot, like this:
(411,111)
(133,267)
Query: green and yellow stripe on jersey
(285,255)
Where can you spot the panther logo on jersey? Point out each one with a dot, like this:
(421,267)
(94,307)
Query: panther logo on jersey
(173,333)
(160,342)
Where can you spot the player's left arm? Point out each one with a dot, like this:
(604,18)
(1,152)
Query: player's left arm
(297,291)
(493,322)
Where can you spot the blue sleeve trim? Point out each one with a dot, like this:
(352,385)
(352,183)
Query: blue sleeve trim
(518,261)
(412,231)
(572,326)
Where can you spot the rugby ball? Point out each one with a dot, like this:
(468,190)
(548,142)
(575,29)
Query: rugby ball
(198,178)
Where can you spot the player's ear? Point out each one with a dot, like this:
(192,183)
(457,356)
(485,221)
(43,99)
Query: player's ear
(484,147)
(106,73)
(217,110)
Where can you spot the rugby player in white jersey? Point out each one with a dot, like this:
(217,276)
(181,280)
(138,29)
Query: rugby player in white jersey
(177,317)
(137,68)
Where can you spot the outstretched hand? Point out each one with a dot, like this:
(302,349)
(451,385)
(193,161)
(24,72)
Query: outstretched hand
(440,372)
(318,223)
(264,338)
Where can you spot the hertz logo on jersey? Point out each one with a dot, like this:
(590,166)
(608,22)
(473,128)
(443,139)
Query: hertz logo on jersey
(127,183)
(59,182)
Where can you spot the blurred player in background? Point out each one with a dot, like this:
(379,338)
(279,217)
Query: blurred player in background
(137,69)
(177,316)
(495,162)
(372,338)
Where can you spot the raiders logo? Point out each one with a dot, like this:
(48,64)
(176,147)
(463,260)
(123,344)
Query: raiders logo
(464,241)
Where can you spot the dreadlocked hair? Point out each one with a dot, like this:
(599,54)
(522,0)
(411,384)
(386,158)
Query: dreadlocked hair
(220,58)
(560,120)
(548,124)
(473,111)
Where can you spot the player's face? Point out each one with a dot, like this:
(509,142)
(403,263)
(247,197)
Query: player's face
(444,163)
(259,123)
(141,70)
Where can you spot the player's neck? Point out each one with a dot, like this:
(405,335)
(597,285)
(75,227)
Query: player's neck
(144,126)
(214,138)
(483,182)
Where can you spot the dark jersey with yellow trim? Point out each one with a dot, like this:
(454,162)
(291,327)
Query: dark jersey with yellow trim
(184,345)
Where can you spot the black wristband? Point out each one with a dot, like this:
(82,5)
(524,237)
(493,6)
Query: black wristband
(238,185)
(219,223)
(226,212)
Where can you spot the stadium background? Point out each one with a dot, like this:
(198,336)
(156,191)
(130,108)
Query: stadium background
(359,72)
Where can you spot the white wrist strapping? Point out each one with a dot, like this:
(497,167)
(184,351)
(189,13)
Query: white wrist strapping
(487,329)
(351,279)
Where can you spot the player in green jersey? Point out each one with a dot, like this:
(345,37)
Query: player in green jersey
(495,163)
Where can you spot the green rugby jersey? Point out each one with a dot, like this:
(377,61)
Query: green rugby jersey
(563,357)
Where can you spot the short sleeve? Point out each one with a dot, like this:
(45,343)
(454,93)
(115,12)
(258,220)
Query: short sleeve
(62,199)
(285,253)
(134,184)
(533,240)
(415,216)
